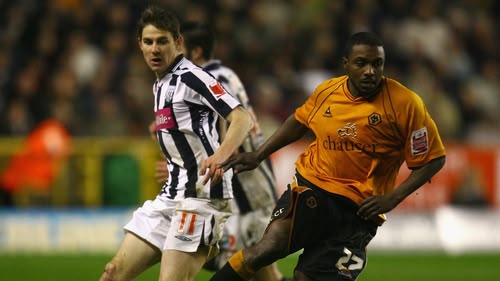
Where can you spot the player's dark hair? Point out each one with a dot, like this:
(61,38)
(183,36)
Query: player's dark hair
(161,19)
(198,34)
(362,38)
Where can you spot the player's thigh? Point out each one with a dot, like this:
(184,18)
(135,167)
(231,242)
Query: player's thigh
(298,217)
(342,255)
(292,224)
(134,256)
(197,222)
(182,266)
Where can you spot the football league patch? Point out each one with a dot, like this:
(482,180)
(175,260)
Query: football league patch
(216,89)
(419,142)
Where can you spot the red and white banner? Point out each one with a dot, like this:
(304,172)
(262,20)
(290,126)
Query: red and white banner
(475,168)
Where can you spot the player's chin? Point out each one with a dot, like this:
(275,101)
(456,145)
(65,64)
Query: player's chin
(155,68)
(367,88)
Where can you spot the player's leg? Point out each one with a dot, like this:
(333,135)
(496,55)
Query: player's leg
(182,266)
(341,254)
(244,264)
(241,230)
(293,225)
(144,239)
(193,237)
(133,257)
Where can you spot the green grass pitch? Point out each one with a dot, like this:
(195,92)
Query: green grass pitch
(381,267)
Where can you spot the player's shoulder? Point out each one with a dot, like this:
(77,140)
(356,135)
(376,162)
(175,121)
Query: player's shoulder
(331,83)
(399,92)
(190,72)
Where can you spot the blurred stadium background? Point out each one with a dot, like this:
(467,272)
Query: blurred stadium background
(75,102)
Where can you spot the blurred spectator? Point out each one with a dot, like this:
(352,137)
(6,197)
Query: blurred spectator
(471,191)
(443,109)
(109,120)
(16,120)
(37,163)
(480,97)
(424,34)
(84,50)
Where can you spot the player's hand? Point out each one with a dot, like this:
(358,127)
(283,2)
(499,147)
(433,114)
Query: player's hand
(211,170)
(242,162)
(161,171)
(371,207)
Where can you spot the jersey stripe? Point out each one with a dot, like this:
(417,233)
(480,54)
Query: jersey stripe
(196,84)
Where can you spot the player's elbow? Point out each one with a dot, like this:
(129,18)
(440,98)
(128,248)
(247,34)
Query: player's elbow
(242,119)
(440,162)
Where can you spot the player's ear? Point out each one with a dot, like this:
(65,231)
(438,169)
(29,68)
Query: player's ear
(344,62)
(197,52)
(179,43)
(139,41)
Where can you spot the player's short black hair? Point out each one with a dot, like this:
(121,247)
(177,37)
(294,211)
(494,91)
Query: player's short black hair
(362,38)
(198,34)
(160,18)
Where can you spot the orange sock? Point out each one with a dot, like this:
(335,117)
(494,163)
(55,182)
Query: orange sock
(238,263)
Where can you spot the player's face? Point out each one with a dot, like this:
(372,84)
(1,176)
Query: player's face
(159,49)
(364,66)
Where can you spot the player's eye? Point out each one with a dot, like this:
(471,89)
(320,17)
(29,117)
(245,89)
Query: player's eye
(359,63)
(163,41)
(378,63)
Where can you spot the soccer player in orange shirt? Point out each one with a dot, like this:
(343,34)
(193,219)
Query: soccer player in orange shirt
(366,125)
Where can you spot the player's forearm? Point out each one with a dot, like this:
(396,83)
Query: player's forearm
(240,124)
(289,132)
(417,178)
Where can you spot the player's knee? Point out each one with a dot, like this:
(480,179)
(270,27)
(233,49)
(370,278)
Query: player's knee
(264,254)
(277,252)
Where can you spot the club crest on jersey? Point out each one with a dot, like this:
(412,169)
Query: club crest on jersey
(170,93)
(216,89)
(374,119)
(327,113)
(419,142)
(349,130)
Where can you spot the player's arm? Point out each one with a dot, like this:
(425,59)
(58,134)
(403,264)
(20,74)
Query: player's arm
(289,132)
(240,124)
(379,204)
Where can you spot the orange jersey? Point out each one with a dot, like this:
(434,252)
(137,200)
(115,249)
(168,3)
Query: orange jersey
(362,142)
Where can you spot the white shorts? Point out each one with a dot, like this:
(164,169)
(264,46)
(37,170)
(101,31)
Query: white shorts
(242,231)
(180,225)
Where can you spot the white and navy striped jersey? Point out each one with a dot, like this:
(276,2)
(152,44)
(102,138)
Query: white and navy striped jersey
(253,189)
(188,104)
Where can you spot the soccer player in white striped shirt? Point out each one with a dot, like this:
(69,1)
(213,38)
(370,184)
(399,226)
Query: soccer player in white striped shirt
(181,227)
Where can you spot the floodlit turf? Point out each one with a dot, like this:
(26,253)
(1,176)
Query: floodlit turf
(381,267)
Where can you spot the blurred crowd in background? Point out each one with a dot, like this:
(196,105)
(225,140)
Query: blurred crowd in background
(78,60)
